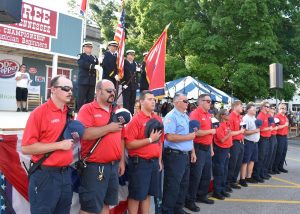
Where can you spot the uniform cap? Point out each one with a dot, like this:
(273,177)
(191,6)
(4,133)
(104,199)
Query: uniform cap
(145,53)
(74,130)
(122,115)
(130,51)
(87,44)
(112,43)
(194,125)
(152,124)
(258,123)
(215,123)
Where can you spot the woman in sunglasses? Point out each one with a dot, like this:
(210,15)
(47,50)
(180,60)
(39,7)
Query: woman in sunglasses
(222,144)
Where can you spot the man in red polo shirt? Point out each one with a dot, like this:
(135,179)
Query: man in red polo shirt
(282,143)
(99,180)
(50,186)
(145,153)
(260,171)
(237,149)
(200,172)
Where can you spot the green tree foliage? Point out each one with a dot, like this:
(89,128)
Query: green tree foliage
(226,43)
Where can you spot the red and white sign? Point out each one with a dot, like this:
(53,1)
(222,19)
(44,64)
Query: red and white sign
(32,70)
(38,20)
(34,31)
(8,68)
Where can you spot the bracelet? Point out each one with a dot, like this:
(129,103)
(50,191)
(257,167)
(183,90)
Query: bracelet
(150,140)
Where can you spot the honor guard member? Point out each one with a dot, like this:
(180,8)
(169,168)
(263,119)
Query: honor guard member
(145,152)
(200,172)
(100,179)
(88,64)
(237,149)
(144,85)
(250,146)
(222,144)
(109,63)
(282,143)
(129,81)
(177,156)
(50,185)
(260,171)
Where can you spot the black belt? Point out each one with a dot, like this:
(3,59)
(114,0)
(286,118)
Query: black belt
(136,159)
(60,169)
(201,146)
(108,163)
(239,141)
(176,151)
(249,141)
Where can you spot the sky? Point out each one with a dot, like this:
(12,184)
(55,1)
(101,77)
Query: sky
(56,5)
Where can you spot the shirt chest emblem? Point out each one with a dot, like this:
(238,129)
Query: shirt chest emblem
(97,115)
(55,120)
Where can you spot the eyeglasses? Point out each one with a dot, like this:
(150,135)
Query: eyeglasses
(267,106)
(184,101)
(283,108)
(110,90)
(64,88)
(208,101)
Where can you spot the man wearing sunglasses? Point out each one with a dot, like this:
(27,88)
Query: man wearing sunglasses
(200,172)
(99,180)
(282,143)
(88,65)
(260,171)
(178,153)
(50,186)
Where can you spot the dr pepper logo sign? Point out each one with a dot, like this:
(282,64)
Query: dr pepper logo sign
(8,68)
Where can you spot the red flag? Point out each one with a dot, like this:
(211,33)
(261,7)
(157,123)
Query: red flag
(155,65)
(83,7)
(120,38)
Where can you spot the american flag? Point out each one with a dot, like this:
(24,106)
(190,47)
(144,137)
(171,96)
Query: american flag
(120,38)
(3,204)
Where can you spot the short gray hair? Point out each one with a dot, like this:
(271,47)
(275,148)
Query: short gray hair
(177,95)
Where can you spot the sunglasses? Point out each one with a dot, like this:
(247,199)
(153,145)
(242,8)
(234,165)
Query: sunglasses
(208,101)
(110,90)
(226,114)
(267,106)
(283,108)
(64,88)
(184,101)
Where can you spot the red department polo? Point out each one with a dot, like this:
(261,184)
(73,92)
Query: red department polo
(44,125)
(221,132)
(265,118)
(282,120)
(234,123)
(273,132)
(109,148)
(135,131)
(205,124)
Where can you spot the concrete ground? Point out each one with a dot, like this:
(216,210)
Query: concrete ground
(279,195)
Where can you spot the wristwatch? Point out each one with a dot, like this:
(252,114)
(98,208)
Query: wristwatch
(150,140)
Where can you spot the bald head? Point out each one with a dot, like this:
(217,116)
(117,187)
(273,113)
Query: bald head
(105,84)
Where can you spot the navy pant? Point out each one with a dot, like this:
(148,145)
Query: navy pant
(268,148)
(176,181)
(272,151)
(220,168)
(200,174)
(86,94)
(50,191)
(129,97)
(235,161)
(282,145)
(259,166)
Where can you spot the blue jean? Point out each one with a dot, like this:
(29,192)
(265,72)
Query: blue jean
(200,174)
(220,168)
(282,145)
(259,166)
(235,161)
(176,181)
(50,191)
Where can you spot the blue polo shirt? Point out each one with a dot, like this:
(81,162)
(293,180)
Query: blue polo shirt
(176,122)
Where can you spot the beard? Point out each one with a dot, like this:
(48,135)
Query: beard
(110,99)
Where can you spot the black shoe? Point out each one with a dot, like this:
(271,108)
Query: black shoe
(259,180)
(251,180)
(243,183)
(271,172)
(205,200)
(235,186)
(225,194)
(24,110)
(192,206)
(228,189)
(265,177)
(277,171)
(218,196)
(283,170)
(18,109)
(181,212)
(268,175)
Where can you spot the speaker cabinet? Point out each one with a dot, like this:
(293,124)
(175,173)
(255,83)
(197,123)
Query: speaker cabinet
(276,76)
(10,11)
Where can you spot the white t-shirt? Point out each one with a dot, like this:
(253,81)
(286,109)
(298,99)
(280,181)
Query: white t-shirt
(24,81)
(250,125)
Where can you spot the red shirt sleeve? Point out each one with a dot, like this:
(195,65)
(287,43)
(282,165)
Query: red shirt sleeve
(132,130)
(85,116)
(31,133)
(220,132)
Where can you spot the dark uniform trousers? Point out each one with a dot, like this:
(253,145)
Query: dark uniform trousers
(200,173)
(272,152)
(220,168)
(86,94)
(282,145)
(129,97)
(176,180)
(235,161)
(259,170)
